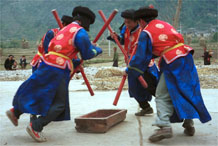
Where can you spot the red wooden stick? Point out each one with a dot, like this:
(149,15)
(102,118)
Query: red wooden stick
(79,67)
(95,40)
(76,69)
(55,13)
(140,78)
(105,25)
(86,81)
(84,77)
(143,82)
(111,31)
(117,97)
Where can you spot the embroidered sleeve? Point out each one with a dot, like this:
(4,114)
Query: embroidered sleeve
(84,45)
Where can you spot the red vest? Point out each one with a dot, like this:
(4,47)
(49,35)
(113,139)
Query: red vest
(36,59)
(166,41)
(61,49)
(130,40)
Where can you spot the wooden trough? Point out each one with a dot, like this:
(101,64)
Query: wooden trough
(100,121)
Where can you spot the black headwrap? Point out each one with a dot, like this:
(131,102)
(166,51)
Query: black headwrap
(66,19)
(84,15)
(128,14)
(146,13)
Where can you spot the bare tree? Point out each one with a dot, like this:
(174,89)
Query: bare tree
(176,17)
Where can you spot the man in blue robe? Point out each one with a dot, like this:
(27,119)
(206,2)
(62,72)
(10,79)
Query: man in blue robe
(47,38)
(49,35)
(129,33)
(45,93)
(178,96)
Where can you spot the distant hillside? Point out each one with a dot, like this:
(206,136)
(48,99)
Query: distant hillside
(30,19)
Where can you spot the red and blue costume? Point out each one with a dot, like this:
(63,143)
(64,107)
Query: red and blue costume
(43,47)
(176,63)
(47,88)
(136,90)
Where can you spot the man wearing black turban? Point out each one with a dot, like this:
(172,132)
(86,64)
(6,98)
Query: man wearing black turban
(45,93)
(47,37)
(84,15)
(178,96)
(128,36)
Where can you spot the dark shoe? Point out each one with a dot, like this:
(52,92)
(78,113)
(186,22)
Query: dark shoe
(189,127)
(12,117)
(145,112)
(162,133)
(32,118)
(37,136)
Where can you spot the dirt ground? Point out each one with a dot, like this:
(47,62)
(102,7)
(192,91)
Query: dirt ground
(208,77)
(109,79)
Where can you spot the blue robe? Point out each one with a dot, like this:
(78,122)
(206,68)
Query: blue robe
(181,79)
(48,37)
(36,94)
(136,90)
(183,85)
